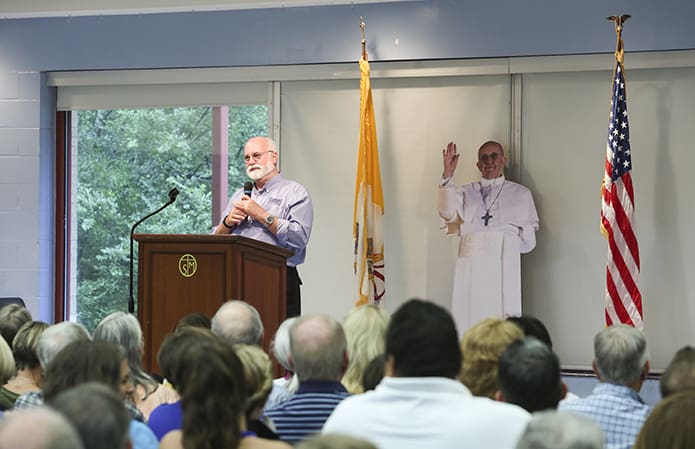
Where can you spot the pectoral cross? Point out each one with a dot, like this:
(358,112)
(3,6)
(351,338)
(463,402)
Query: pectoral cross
(486,217)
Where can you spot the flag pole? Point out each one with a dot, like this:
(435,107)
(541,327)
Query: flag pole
(364,39)
(618,21)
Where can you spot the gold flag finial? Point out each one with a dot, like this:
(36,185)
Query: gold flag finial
(618,21)
(364,40)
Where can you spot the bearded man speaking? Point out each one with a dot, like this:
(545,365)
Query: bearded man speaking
(275,210)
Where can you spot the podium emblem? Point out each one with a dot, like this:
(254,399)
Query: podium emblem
(188,265)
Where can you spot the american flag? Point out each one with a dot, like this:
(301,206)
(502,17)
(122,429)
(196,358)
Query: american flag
(623,298)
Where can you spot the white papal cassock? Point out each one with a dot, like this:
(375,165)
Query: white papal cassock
(487,281)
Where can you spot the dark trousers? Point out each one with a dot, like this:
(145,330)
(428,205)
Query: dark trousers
(294,300)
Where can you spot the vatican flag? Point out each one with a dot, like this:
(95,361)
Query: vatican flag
(369,203)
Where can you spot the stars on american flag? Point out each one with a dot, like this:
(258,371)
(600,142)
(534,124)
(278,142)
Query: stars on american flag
(618,131)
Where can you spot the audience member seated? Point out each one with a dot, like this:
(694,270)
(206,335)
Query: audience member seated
(419,403)
(91,361)
(211,384)
(621,363)
(7,366)
(124,329)
(373,373)
(283,387)
(238,322)
(482,346)
(28,376)
(335,441)
(680,373)
(195,319)
(12,317)
(52,341)
(97,413)
(528,375)
(169,417)
(561,430)
(670,424)
(319,358)
(532,327)
(365,327)
(258,381)
(38,428)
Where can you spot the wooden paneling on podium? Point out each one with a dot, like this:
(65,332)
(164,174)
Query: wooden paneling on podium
(180,274)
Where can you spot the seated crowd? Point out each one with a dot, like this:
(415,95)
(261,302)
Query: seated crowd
(374,381)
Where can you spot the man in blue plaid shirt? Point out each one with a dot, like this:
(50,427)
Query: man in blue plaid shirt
(621,363)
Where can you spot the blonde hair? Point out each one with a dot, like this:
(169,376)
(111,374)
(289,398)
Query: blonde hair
(482,346)
(258,376)
(7,366)
(365,330)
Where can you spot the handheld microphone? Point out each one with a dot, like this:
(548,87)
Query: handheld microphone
(248,189)
(173,193)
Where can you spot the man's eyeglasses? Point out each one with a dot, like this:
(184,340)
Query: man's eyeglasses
(490,156)
(255,156)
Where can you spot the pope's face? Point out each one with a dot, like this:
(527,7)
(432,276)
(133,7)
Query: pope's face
(491,161)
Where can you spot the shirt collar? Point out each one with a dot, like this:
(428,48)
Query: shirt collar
(321,386)
(492,182)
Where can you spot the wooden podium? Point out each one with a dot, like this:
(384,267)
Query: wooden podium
(181,274)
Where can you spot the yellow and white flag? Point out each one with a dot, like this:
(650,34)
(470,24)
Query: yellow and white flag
(369,203)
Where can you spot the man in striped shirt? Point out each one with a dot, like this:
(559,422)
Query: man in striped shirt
(319,357)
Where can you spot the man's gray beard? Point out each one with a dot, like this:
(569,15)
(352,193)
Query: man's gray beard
(258,174)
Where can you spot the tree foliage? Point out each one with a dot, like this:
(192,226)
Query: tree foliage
(127,161)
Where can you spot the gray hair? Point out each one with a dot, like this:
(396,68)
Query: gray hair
(58,336)
(280,346)
(679,374)
(238,322)
(38,428)
(124,330)
(561,430)
(318,347)
(620,353)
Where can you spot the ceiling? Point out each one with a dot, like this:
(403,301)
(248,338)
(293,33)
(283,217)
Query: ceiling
(12,9)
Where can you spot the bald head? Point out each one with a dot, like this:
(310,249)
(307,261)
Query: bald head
(238,322)
(37,428)
(318,348)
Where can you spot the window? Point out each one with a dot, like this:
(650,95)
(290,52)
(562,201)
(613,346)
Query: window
(123,163)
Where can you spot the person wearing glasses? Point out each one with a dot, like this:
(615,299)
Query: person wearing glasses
(496,220)
(278,211)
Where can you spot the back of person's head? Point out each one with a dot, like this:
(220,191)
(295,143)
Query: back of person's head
(80,362)
(669,424)
(124,329)
(238,322)
(318,348)
(373,372)
(171,352)
(38,428)
(422,341)
(365,331)
(195,319)
(532,327)
(529,375)
(97,413)
(680,373)
(258,376)
(280,344)
(211,385)
(620,354)
(335,441)
(25,343)
(12,317)
(561,430)
(482,346)
(57,337)
(7,366)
